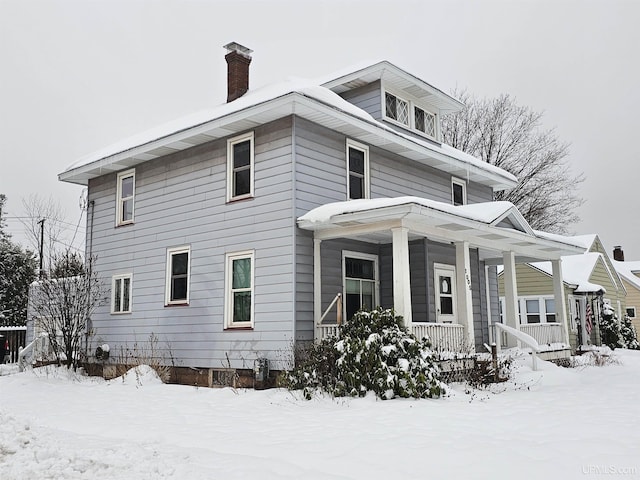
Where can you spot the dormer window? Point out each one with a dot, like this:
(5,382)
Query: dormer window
(425,122)
(397,109)
(409,115)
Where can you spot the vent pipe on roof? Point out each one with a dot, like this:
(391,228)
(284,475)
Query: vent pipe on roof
(618,254)
(238,60)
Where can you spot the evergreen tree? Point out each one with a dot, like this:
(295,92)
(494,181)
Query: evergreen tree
(629,334)
(610,328)
(17,271)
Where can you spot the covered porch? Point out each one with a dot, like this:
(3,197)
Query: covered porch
(458,285)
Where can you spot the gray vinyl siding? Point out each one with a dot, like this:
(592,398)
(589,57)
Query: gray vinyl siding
(367,97)
(321,177)
(180,200)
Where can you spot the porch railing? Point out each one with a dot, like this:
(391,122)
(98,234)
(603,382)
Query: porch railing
(544,333)
(444,337)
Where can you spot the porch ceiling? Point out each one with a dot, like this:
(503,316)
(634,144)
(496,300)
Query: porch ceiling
(436,221)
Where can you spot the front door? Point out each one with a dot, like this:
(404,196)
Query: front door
(445,290)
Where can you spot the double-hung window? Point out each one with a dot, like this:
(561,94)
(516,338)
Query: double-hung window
(458,191)
(357,170)
(360,281)
(178,267)
(126,192)
(240,167)
(239,297)
(121,293)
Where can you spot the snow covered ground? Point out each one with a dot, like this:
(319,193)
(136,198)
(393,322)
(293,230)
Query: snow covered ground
(555,423)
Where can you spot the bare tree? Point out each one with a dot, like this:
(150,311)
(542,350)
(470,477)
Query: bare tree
(510,136)
(62,308)
(36,209)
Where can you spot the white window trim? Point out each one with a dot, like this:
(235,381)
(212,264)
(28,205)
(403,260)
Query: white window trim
(367,177)
(119,199)
(167,294)
(228,289)
(361,256)
(463,184)
(412,115)
(635,312)
(114,279)
(542,306)
(230,143)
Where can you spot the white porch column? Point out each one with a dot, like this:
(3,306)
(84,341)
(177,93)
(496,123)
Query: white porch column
(511,315)
(463,292)
(317,289)
(401,274)
(559,297)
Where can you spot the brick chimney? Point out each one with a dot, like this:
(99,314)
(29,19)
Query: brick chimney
(618,254)
(238,60)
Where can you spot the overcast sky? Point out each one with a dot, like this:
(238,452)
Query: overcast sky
(77,76)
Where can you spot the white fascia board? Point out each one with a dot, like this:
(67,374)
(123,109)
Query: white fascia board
(284,105)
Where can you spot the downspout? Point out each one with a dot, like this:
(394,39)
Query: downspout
(294,237)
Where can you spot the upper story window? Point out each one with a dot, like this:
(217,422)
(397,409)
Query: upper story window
(121,293)
(425,121)
(357,170)
(125,197)
(406,113)
(396,108)
(458,191)
(239,289)
(177,287)
(240,167)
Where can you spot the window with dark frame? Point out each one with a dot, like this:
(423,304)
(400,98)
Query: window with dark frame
(458,193)
(360,284)
(396,109)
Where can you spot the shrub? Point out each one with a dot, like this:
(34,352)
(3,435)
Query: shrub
(610,328)
(373,352)
(629,334)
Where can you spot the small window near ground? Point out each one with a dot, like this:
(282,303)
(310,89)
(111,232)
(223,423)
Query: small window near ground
(396,109)
(358,170)
(178,265)
(239,290)
(631,312)
(126,190)
(240,167)
(121,293)
(458,191)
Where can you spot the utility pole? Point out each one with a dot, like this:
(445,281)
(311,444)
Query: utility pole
(41,222)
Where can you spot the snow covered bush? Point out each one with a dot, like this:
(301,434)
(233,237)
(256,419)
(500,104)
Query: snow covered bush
(629,334)
(610,328)
(373,352)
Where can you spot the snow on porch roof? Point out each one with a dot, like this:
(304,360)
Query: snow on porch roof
(482,225)
(576,270)
(300,97)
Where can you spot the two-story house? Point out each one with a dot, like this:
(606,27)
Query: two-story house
(229,233)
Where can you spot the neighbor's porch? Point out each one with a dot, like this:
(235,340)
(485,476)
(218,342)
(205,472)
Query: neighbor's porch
(494,233)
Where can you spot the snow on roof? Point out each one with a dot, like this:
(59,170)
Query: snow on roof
(305,87)
(626,269)
(576,270)
(249,99)
(584,241)
(482,212)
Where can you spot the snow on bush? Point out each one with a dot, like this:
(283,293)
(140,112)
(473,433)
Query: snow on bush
(615,333)
(373,352)
(139,376)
